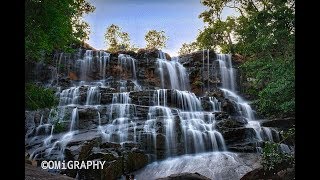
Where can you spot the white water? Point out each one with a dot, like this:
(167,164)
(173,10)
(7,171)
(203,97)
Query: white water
(120,113)
(104,59)
(227,72)
(69,96)
(214,165)
(216,105)
(197,126)
(174,72)
(175,109)
(74,119)
(93,96)
(128,62)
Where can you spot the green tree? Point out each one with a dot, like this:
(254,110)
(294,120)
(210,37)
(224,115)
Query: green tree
(218,35)
(263,33)
(116,39)
(54,25)
(156,39)
(188,48)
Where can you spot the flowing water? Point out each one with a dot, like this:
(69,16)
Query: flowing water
(214,165)
(175,120)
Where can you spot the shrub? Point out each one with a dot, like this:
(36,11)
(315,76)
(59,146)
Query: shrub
(37,97)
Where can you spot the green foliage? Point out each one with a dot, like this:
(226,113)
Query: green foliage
(59,127)
(156,39)
(116,39)
(264,34)
(198,83)
(273,158)
(37,97)
(54,25)
(188,48)
(275,85)
(218,35)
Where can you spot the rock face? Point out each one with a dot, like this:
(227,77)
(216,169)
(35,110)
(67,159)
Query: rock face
(283,123)
(259,173)
(185,176)
(121,108)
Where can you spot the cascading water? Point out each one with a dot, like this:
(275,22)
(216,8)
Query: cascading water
(128,62)
(227,72)
(104,59)
(174,71)
(93,96)
(229,87)
(69,96)
(167,121)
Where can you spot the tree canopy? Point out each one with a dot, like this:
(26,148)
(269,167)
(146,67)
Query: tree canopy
(156,39)
(188,48)
(54,25)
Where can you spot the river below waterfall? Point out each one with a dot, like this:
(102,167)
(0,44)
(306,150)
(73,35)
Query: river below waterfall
(214,165)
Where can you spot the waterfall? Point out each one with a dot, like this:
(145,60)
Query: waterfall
(120,112)
(216,105)
(208,65)
(198,127)
(93,96)
(167,120)
(104,59)
(227,72)
(88,64)
(74,119)
(69,96)
(174,71)
(128,62)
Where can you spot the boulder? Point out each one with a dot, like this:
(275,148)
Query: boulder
(260,173)
(238,135)
(185,176)
(283,123)
(134,161)
(232,122)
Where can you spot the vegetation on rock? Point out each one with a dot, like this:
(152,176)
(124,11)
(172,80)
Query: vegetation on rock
(273,159)
(37,97)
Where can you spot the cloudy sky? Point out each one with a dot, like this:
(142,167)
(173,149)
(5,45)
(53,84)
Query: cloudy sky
(178,18)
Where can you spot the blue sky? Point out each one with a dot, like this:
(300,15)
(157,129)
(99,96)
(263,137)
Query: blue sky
(178,18)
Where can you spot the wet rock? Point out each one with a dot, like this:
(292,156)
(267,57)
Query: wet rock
(245,147)
(185,176)
(221,115)
(260,173)
(160,146)
(130,145)
(113,169)
(110,145)
(229,107)
(88,118)
(283,123)
(238,135)
(232,122)
(134,161)
(85,151)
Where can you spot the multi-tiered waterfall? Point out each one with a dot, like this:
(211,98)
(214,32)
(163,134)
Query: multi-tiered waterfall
(122,105)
